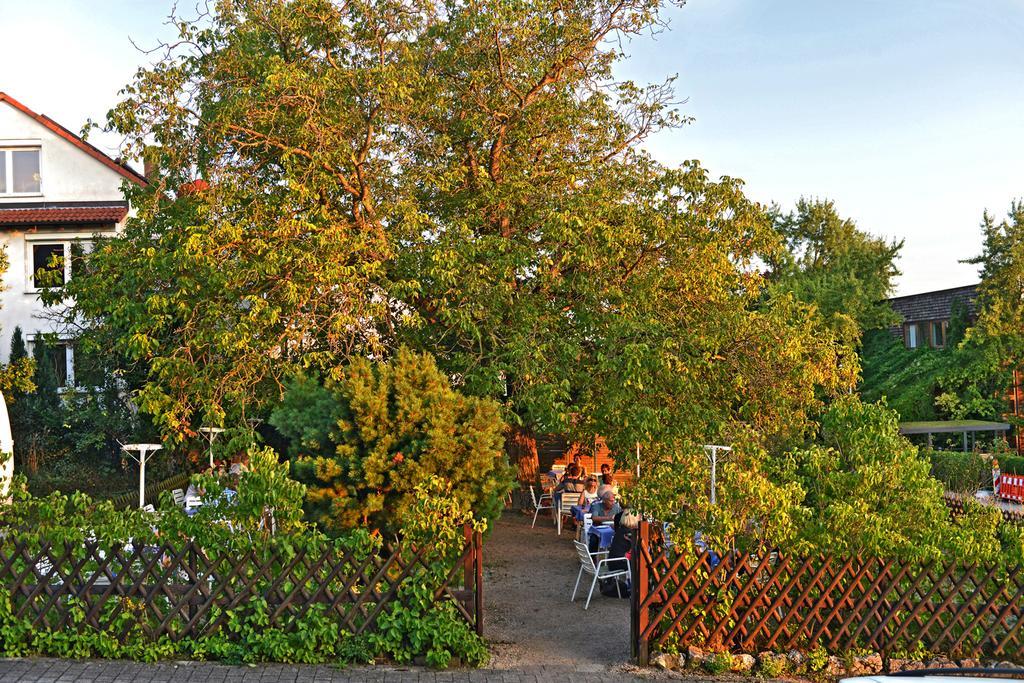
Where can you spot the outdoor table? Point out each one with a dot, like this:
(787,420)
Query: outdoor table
(228,496)
(604,533)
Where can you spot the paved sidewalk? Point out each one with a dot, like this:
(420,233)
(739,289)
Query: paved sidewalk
(96,671)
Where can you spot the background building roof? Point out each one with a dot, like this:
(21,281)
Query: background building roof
(934,305)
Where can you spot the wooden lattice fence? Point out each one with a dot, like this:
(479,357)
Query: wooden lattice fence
(754,602)
(956,509)
(182,590)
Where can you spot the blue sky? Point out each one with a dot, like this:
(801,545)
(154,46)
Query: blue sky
(909,114)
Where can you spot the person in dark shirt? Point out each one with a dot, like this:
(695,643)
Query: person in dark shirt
(571,481)
(622,542)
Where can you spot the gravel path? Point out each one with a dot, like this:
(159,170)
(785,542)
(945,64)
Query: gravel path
(528,578)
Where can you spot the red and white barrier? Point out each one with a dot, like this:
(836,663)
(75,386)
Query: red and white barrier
(1010,487)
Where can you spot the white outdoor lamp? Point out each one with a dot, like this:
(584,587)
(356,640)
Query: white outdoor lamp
(211,434)
(143,449)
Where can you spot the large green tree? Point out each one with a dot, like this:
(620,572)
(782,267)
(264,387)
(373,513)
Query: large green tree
(846,273)
(999,327)
(465,179)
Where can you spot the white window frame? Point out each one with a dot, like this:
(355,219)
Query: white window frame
(912,341)
(69,359)
(7,159)
(68,239)
(30,260)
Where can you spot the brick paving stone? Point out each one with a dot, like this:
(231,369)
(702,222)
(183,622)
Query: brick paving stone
(63,671)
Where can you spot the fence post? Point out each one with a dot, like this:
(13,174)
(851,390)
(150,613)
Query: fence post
(639,615)
(468,551)
(478,557)
(193,576)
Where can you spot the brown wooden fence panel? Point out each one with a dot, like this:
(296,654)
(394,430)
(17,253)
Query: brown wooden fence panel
(744,602)
(183,590)
(956,509)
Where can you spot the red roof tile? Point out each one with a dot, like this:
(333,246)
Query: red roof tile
(75,214)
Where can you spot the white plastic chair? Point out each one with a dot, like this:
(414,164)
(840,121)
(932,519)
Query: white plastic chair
(568,499)
(545,502)
(179,497)
(600,570)
(588,521)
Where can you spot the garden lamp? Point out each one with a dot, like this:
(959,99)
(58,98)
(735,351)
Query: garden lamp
(211,434)
(143,449)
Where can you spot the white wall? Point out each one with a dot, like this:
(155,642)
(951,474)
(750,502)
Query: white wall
(68,175)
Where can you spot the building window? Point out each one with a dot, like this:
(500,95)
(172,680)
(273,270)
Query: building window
(69,365)
(19,171)
(55,358)
(938,339)
(911,336)
(48,264)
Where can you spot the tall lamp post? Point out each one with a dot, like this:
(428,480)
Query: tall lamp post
(143,449)
(211,434)
(711,453)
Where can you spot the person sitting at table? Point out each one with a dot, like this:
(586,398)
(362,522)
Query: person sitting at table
(571,481)
(626,523)
(589,493)
(606,469)
(604,509)
(608,485)
(577,460)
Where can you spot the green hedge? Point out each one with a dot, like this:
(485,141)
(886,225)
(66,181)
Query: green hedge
(961,472)
(84,540)
(1011,464)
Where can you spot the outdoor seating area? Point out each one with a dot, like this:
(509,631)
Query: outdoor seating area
(588,509)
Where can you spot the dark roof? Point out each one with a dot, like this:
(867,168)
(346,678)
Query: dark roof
(934,305)
(62,215)
(128,172)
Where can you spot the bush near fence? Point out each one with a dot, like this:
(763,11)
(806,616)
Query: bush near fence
(276,602)
(751,602)
(82,578)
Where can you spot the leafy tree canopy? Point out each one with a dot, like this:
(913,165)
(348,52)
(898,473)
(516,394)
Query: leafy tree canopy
(869,490)
(999,329)
(845,272)
(460,178)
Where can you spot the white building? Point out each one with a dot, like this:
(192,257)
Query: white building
(55,190)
